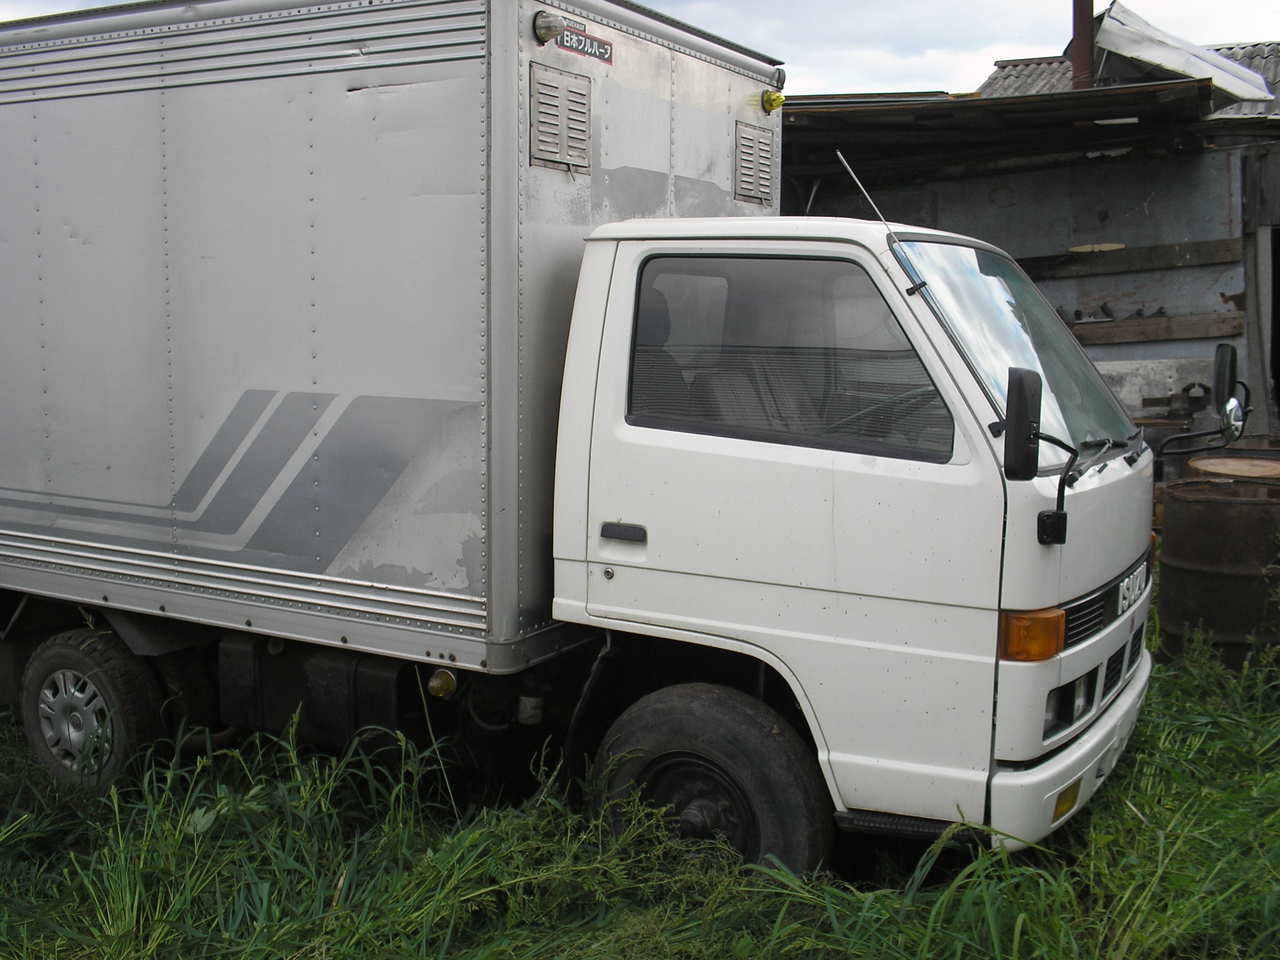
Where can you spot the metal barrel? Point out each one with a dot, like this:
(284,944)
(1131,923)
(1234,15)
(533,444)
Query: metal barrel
(1218,563)
(1256,456)
(1236,466)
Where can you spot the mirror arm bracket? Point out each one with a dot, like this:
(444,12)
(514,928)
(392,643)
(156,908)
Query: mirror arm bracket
(1163,449)
(1051,525)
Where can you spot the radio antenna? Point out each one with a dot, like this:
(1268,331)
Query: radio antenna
(917,284)
(849,170)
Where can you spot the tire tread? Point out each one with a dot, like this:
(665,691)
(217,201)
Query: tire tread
(684,711)
(128,676)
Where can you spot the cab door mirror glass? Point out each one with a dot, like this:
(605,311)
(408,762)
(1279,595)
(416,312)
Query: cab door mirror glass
(1022,425)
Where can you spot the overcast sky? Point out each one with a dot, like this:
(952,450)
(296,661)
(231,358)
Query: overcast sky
(845,46)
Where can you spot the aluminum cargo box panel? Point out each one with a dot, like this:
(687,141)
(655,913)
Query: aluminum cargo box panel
(84,292)
(359,281)
(706,106)
(290,403)
(21,423)
(251,45)
(661,145)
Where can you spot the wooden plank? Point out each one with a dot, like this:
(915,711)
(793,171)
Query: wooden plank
(1167,256)
(1197,326)
(1261,188)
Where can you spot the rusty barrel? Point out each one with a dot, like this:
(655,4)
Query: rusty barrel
(1218,562)
(1255,456)
(1237,466)
(1255,443)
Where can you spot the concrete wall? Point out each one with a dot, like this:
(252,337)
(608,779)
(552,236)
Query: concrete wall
(1145,203)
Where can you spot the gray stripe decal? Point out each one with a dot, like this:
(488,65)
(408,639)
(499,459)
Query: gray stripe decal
(218,453)
(235,428)
(262,462)
(267,455)
(317,451)
(360,458)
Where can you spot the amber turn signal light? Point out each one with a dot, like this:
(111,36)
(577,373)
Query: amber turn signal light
(1032,634)
(1066,800)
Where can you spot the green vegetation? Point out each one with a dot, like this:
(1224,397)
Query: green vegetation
(270,852)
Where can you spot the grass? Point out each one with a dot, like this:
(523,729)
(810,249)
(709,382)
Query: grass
(267,851)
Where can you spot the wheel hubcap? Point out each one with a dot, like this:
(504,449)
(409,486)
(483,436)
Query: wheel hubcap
(703,801)
(700,818)
(74,720)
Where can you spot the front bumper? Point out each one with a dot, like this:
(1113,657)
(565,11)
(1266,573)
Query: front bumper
(1022,800)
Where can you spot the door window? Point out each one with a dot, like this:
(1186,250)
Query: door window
(784,350)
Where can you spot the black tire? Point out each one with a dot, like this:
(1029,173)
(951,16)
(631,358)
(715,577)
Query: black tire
(723,764)
(88,705)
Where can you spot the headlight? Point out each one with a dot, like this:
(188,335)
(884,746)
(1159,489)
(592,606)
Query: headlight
(1068,703)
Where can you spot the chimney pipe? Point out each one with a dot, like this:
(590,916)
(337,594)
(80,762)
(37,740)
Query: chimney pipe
(1081,44)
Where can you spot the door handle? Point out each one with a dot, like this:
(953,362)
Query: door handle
(630,532)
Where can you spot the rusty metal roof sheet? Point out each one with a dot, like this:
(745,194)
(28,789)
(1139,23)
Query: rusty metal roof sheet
(1134,50)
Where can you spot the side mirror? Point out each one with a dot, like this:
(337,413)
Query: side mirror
(1233,412)
(1232,420)
(1230,411)
(1022,425)
(1224,373)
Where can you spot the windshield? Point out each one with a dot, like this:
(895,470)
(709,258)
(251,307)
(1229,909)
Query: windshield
(1000,320)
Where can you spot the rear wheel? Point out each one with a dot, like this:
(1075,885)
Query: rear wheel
(88,705)
(722,764)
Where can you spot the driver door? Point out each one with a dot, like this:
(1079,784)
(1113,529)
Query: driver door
(773,462)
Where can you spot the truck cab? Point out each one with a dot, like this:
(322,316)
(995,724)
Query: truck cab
(783,438)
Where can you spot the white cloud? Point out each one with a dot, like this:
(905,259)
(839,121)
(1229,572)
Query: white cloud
(837,46)
(870,71)
(844,46)
(21,9)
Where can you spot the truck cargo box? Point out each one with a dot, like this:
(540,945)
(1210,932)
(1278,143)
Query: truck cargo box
(286,291)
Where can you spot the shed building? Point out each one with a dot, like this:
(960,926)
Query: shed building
(1145,203)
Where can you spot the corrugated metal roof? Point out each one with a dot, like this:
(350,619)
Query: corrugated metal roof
(1263,59)
(1020,78)
(903,138)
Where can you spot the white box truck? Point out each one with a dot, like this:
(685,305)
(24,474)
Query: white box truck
(356,348)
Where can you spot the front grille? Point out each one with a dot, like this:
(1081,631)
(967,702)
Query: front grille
(1115,668)
(1090,615)
(1085,618)
(1135,648)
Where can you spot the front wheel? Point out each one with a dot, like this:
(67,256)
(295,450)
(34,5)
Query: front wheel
(88,705)
(722,764)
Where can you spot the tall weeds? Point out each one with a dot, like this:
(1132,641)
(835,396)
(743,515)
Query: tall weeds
(271,851)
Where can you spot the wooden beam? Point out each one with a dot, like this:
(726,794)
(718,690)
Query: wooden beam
(1196,326)
(1167,256)
(1261,188)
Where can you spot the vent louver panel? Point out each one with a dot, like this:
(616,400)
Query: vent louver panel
(1115,668)
(559,117)
(753,164)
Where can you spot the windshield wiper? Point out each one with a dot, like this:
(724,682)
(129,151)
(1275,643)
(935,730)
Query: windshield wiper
(1103,445)
(1132,456)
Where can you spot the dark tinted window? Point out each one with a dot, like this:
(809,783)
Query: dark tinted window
(786,350)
